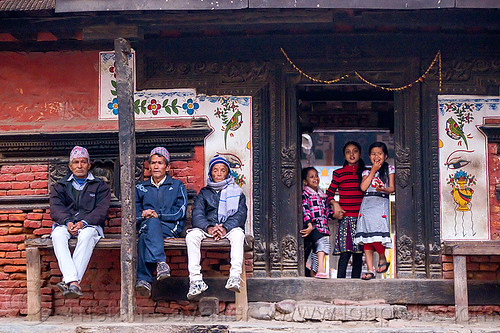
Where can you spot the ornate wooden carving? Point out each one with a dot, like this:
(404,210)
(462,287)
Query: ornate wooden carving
(289,255)
(288,165)
(404,249)
(157,72)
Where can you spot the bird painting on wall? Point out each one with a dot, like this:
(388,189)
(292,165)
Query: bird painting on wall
(455,131)
(233,124)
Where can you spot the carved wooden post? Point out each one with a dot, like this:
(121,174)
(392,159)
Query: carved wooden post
(126,136)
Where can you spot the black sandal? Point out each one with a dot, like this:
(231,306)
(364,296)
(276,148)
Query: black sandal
(387,264)
(368,276)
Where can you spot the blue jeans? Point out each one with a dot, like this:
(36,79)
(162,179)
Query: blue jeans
(150,249)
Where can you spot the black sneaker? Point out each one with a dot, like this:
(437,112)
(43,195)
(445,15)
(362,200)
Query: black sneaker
(162,271)
(63,287)
(143,288)
(73,292)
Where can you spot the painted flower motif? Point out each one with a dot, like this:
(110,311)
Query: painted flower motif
(190,106)
(113,106)
(112,69)
(154,107)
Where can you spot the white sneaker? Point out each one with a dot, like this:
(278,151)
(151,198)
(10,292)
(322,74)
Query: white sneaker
(196,288)
(233,284)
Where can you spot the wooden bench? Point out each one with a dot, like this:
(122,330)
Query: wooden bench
(460,250)
(33,268)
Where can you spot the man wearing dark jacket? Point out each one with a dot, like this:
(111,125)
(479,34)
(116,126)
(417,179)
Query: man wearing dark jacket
(79,206)
(161,203)
(219,211)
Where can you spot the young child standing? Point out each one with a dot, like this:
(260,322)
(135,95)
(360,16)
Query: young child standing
(346,180)
(315,213)
(373,230)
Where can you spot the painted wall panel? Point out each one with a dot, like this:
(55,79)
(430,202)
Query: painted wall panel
(463,166)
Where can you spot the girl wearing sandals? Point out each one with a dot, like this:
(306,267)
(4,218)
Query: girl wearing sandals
(315,212)
(346,180)
(373,229)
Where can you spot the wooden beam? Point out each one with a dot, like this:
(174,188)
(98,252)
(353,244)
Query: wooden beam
(126,137)
(33,272)
(393,291)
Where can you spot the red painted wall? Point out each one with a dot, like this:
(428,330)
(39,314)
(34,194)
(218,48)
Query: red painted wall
(55,92)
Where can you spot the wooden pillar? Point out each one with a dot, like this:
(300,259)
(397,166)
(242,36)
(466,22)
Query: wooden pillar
(126,136)
(241,298)
(33,274)
(461,297)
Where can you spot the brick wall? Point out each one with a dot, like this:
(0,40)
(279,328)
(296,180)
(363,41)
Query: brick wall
(101,283)
(484,267)
(422,311)
(24,180)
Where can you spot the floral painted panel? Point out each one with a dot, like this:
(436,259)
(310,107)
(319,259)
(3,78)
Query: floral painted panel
(228,116)
(463,166)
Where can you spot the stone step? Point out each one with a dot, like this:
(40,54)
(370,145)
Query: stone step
(301,311)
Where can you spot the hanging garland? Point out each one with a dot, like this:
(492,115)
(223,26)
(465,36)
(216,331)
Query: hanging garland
(437,59)
(308,76)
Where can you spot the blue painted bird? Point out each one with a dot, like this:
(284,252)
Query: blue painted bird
(233,124)
(455,131)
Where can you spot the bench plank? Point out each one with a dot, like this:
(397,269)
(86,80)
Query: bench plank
(471,248)
(169,243)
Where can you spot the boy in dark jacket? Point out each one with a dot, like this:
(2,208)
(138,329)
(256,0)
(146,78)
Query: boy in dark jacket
(161,203)
(79,206)
(219,211)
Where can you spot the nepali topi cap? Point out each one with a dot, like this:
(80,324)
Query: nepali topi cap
(162,151)
(79,152)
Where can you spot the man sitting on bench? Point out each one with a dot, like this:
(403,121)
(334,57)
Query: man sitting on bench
(219,211)
(161,203)
(79,206)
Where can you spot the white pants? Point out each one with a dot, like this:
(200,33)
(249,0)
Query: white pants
(74,267)
(193,241)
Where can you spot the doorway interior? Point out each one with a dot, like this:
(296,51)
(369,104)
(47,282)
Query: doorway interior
(330,116)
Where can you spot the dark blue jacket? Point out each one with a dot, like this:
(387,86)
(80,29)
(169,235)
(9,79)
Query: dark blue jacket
(169,201)
(92,206)
(205,209)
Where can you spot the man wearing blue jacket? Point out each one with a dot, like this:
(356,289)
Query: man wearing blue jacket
(161,203)
(219,211)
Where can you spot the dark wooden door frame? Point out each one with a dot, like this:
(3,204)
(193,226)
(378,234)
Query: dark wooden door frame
(411,235)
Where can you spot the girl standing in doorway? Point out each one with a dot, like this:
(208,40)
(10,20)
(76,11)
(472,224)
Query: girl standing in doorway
(347,181)
(315,211)
(373,230)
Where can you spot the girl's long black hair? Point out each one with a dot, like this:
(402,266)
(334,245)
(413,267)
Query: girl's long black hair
(383,173)
(305,172)
(361,163)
